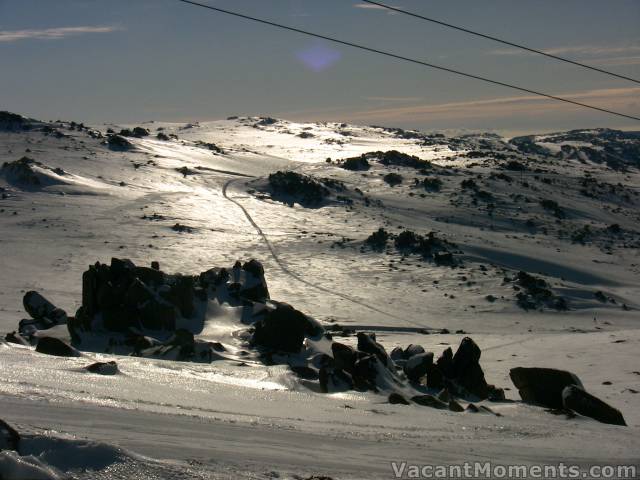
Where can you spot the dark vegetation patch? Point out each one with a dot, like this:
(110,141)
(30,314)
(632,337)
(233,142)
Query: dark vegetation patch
(393,179)
(356,163)
(430,184)
(553,207)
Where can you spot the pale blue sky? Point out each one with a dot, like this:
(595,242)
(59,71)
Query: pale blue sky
(136,60)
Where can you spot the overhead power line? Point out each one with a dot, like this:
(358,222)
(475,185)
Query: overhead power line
(499,40)
(407,59)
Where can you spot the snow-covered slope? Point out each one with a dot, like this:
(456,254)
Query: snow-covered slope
(197,196)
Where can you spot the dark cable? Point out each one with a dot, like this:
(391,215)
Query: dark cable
(407,59)
(499,40)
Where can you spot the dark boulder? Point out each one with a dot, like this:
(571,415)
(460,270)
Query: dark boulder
(576,399)
(435,378)
(430,401)
(150,276)
(398,399)
(119,319)
(412,350)
(445,363)
(9,437)
(181,294)
(284,329)
(117,142)
(332,380)
(467,371)
(254,285)
(418,365)
(454,406)
(397,354)
(543,386)
(344,357)
(140,132)
(495,394)
(304,372)
(367,371)
(467,355)
(158,315)
(137,294)
(14,337)
(367,343)
(55,346)
(103,368)
(472,380)
(39,307)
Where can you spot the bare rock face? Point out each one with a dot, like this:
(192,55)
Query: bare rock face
(576,399)
(543,386)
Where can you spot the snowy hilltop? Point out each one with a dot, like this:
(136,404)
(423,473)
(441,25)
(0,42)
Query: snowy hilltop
(169,290)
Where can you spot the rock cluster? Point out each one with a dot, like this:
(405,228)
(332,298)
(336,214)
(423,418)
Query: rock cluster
(144,311)
(21,171)
(290,187)
(562,390)
(390,158)
(534,293)
(431,247)
(369,367)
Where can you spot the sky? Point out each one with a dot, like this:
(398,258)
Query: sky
(129,61)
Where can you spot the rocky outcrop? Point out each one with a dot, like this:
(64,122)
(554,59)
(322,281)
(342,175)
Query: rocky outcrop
(141,309)
(290,187)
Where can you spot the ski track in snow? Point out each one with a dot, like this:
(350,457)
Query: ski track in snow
(297,277)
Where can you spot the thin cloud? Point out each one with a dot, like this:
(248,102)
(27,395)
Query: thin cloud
(579,50)
(619,98)
(370,6)
(7,36)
